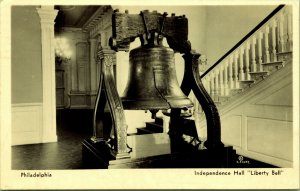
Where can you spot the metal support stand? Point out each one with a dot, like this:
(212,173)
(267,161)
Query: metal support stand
(192,81)
(107,92)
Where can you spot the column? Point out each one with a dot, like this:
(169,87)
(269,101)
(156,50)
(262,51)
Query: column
(47,15)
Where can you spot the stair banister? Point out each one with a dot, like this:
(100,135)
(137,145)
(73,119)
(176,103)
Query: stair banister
(261,24)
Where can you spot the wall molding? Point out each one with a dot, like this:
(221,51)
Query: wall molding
(27,120)
(265,158)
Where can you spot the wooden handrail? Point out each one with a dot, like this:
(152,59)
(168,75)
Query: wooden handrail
(244,39)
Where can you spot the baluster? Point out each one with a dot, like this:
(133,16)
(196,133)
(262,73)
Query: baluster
(217,90)
(274,53)
(221,79)
(230,73)
(260,36)
(247,65)
(212,84)
(282,41)
(242,76)
(253,63)
(226,92)
(267,53)
(236,80)
(207,83)
(289,29)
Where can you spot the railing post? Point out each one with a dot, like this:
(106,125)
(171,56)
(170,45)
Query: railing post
(236,80)
(217,90)
(212,85)
(226,92)
(282,41)
(260,37)
(247,64)
(267,53)
(274,53)
(206,83)
(253,66)
(242,76)
(289,29)
(222,79)
(230,73)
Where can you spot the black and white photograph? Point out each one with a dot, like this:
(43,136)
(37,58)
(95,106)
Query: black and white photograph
(148,95)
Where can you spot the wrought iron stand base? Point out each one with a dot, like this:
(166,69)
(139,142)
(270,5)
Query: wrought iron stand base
(164,154)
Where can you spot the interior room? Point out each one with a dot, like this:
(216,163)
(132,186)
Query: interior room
(245,63)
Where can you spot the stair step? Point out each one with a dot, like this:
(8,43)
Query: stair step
(142,131)
(154,127)
(272,66)
(223,98)
(285,56)
(218,103)
(235,91)
(258,75)
(159,120)
(246,83)
(190,128)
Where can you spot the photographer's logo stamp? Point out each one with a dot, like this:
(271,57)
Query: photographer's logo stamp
(241,160)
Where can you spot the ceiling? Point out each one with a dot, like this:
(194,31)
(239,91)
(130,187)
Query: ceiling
(74,16)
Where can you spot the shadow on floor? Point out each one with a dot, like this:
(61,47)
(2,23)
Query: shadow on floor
(73,126)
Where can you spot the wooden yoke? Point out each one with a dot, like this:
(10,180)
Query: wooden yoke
(126,27)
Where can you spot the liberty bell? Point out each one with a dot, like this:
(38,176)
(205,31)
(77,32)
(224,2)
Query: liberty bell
(152,83)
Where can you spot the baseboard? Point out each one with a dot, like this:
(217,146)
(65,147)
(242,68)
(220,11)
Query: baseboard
(265,158)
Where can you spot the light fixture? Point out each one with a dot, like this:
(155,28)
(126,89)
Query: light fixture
(62,50)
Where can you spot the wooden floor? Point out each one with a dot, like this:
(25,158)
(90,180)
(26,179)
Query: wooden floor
(73,126)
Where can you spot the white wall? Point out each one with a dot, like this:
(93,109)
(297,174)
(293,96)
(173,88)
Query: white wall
(26,60)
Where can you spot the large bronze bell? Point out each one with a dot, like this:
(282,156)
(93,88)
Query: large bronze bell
(152,80)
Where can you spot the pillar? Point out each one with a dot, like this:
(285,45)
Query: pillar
(47,15)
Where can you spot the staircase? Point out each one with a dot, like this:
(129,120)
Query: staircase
(245,71)
(152,127)
(262,53)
